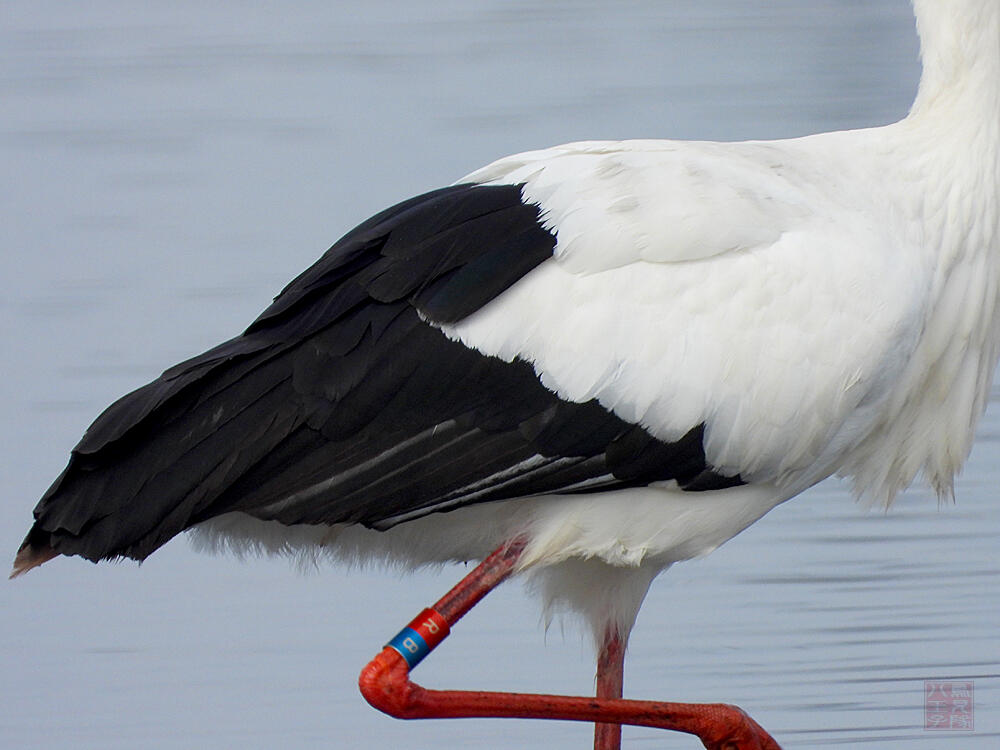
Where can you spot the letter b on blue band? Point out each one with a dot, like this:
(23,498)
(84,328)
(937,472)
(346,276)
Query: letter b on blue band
(410,645)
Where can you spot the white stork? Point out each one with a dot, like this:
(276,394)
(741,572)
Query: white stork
(598,359)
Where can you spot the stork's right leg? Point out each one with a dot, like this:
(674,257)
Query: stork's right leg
(610,682)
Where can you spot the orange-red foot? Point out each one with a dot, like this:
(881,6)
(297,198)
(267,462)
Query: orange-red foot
(725,727)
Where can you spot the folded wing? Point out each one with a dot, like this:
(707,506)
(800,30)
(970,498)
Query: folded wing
(344,402)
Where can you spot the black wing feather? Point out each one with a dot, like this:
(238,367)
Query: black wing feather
(343,403)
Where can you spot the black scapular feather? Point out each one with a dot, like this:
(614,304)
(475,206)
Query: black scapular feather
(344,403)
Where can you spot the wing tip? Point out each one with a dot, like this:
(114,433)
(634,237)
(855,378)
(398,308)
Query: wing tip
(31,556)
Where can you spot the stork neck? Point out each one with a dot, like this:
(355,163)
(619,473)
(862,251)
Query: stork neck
(960,49)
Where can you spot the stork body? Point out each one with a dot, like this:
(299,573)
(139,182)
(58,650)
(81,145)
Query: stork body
(619,353)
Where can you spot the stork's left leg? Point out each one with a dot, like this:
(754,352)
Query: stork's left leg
(385,682)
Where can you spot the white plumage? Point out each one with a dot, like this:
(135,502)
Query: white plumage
(823,305)
(807,304)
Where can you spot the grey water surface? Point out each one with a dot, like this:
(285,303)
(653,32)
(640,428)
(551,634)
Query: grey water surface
(167,167)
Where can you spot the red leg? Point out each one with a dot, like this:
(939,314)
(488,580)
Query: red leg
(610,681)
(385,681)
